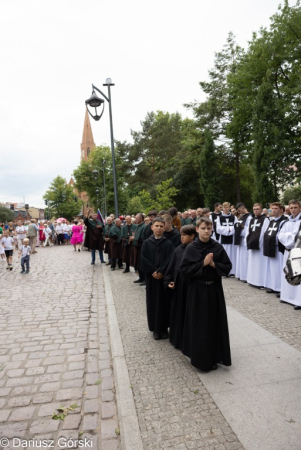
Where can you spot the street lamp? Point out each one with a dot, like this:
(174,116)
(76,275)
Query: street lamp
(94,102)
(95,175)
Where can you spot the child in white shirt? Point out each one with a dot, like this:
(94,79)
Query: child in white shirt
(25,251)
(8,243)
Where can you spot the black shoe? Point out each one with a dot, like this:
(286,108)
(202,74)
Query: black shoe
(296,308)
(270,291)
(278,296)
(78,250)
(286,303)
(232,276)
(165,335)
(126,271)
(142,284)
(112,268)
(214,367)
(156,336)
(26,271)
(138,281)
(92,263)
(103,262)
(108,263)
(22,271)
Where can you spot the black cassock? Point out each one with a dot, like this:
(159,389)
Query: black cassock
(206,336)
(178,296)
(155,257)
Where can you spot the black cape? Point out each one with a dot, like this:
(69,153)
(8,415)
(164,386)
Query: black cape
(155,257)
(206,335)
(174,236)
(178,296)
(94,236)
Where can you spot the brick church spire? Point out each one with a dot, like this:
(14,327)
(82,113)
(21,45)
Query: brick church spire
(88,143)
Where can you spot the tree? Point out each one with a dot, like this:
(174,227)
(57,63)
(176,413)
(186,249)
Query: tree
(135,205)
(6,215)
(61,199)
(210,173)
(85,182)
(290,193)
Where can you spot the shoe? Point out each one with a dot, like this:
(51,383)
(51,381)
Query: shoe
(7,268)
(296,308)
(165,335)
(126,271)
(156,336)
(103,262)
(270,291)
(112,268)
(22,271)
(138,281)
(120,267)
(10,268)
(26,271)
(92,263)
(34,252)
(142,284)
(108,263)
(278,295)
(214,367)
(232,276)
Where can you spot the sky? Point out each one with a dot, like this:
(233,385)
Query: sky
(156,53)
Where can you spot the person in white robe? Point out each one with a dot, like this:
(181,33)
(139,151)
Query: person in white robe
(287,235)
(254,241)
(242,254)
(225,228)
(273,249)
(213,217)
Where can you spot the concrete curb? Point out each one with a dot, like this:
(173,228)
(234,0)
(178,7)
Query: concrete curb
(127,416)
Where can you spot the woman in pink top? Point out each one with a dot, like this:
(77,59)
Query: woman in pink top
(77,235)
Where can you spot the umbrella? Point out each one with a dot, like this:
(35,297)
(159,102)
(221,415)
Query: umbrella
(61,219)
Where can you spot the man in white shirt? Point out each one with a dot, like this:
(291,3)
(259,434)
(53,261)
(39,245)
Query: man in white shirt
(21,233)
(59,229)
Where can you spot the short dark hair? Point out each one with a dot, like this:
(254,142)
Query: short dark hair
(162,212)
(240,205)
(173,211)
(294,202)
(217,204)
(158,219)
(205,220)
(188,229)
(152,212)
(140,215)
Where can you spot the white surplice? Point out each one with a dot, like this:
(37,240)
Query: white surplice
(256,261)
(228,230)
(242,254)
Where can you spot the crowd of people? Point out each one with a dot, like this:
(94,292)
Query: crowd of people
(181,259)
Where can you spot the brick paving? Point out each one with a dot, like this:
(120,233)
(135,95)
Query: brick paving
(174,408)
(54,351)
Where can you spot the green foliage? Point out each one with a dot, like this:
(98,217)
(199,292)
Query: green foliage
(63,411)
(61,200)
(210,173)
(100,159)
(135,205)
(290,193)
(165,193)
(6,215)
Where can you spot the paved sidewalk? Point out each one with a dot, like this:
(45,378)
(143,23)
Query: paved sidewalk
(55,351)
(256,402)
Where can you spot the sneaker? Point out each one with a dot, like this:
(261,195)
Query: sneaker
(103,262)
(26,271)
(92,263)
(22,271)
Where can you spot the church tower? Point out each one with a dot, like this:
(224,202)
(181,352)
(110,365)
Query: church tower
(88,143)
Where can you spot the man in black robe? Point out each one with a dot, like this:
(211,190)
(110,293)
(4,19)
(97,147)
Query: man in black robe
(94,236)
(170,232)
(155,256)
(127,231)
(174,280)
(115,244)
(205,335)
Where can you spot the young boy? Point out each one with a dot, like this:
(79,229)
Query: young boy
(156,252)
(8,245)
(25,251)
(205,335)
(174,280)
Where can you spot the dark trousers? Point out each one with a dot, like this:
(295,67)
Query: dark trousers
(25,262)
(93,255)
(113,263)
(60,239)
(141,275)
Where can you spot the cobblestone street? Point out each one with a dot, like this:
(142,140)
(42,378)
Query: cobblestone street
(55,351)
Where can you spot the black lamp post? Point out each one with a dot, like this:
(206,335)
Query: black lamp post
(95,175)
(94,102)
